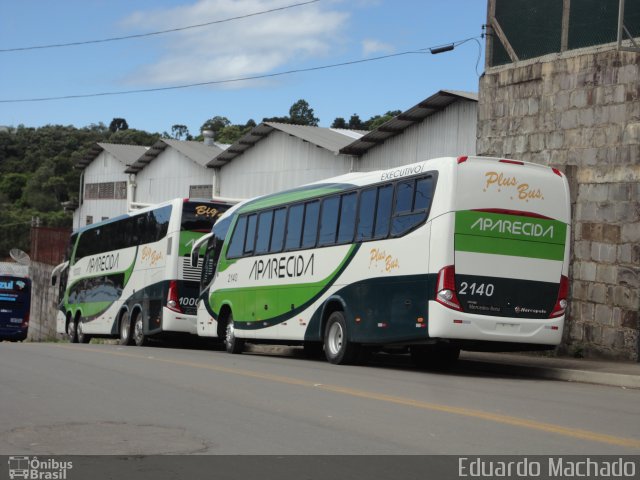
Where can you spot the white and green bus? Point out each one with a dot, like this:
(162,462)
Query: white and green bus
(433,257)
(130,277)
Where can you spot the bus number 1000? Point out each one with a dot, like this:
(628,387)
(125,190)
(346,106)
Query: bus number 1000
(485,289)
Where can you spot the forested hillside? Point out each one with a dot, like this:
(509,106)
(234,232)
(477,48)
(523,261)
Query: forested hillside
(37,174)
(38,177)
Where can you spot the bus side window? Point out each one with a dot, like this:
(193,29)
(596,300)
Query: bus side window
(237,240)
(383,211)
(310,229)
(347,217)
(329,221)
(250,242)
(413,200)
(264,232)
(294,227)
(366,214)
(277,233)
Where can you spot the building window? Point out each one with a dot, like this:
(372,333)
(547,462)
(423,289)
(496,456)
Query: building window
(105,191)
(121,190)
(201,191)
(89,219)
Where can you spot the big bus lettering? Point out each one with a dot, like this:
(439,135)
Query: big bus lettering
(103,263)
(282,267)
(515,227)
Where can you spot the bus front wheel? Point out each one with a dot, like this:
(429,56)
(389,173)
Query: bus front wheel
(337,347)
(232,344)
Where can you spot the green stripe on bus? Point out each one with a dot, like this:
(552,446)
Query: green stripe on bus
(248,303)
(507,246)
(515,227)
(291,197)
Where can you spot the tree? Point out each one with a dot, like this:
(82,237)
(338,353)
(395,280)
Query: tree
(301,113)
(339,122)
(179,131)
(12,185)
(134,137)
(355,123)
(215,124)
(118,124)
(377,120)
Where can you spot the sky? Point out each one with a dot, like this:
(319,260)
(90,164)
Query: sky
(317,34)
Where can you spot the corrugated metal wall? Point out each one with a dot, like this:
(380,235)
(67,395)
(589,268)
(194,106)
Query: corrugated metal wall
(169,176)
(278,162)
(451,132)
(105,168)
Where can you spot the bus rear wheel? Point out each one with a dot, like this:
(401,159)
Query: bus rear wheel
(232,344)
(337,347)
(139,337)
(125,329)
(82,337)
(72,331)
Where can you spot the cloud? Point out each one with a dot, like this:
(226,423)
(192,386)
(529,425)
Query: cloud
(240,48)
(370,47)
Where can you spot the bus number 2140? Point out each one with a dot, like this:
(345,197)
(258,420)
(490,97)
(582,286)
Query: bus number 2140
(485,289)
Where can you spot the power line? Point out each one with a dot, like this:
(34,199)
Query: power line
(160,32)
(232,80)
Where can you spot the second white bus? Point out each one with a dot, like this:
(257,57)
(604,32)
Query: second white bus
(437,256)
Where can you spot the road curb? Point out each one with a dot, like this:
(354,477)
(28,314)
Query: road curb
(551,373)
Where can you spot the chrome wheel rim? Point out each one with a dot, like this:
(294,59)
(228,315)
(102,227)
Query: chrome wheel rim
(124,329)
(138,331)
(335,338)
(228,338)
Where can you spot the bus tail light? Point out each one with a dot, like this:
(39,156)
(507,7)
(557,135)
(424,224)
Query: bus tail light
(25,320)
(446,288)
(173,300)
(561,302)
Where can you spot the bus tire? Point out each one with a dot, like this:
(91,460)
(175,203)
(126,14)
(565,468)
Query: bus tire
(82,337)
(126,338)
(337,347)
(232,344)
(72,331)
(139,337)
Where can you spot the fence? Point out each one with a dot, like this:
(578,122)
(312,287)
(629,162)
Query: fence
(49,244)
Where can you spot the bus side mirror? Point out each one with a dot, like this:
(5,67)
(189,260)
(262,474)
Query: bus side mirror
(195,254)
(54,280)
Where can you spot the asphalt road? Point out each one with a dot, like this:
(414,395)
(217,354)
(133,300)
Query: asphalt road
(105,399)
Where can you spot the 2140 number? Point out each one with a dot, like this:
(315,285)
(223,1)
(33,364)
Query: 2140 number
(481,289)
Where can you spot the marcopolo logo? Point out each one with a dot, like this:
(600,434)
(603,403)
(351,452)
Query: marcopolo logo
(513,227)
(37,469)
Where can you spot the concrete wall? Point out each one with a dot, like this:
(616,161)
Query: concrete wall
(44,297)
(580,112)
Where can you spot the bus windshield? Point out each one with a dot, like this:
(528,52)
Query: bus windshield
(200,216)
(15,303)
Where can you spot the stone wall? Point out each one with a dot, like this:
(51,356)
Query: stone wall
(580,112)
(42,321)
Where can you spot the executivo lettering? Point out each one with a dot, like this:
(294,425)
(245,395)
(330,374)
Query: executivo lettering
(103,263)
(515,227)
(282,267)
